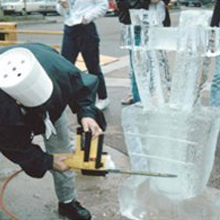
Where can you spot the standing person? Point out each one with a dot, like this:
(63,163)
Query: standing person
(36,86)
(167,20)
(124,17)
(215,87)
(80,35)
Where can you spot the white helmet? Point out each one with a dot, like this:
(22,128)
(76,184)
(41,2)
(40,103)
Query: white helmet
(23,78)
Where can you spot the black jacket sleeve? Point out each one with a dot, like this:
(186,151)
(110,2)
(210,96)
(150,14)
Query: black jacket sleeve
(15,144)
(215,20)
(167,20)
(125,5)
(82,101)
(16,140)
(122,4)
(123,9)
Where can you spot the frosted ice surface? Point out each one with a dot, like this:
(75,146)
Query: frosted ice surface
(160,38)
(150,66)
(169,141)
(185,80)
(195,17)
(176,135)
(125,37)
(137,202)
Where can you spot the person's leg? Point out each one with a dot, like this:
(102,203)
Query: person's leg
(90,52)
(70,48)
(128,99)
(134,87)
(64,181)
(126,43)
(215,87)
(61,143)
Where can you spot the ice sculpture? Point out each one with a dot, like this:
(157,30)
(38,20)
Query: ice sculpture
(151,66)
(173,133)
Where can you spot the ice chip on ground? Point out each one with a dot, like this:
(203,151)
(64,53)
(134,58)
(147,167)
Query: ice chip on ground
(109,163)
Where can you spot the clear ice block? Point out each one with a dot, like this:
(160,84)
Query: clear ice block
(170,141)
(178,135)
(125,37)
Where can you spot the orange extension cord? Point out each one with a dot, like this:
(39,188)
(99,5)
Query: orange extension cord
(2,205)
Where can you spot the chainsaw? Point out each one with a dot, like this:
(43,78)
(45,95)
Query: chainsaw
(90,159)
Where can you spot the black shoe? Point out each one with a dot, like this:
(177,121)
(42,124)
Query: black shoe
(74,211)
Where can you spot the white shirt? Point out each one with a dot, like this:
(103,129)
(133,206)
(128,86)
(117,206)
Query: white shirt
(89,9)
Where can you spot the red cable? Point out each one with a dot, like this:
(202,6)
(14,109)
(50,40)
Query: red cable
(2,205)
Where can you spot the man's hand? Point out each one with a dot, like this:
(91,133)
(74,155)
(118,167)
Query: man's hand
(89,124)
(64,3)
(59,162)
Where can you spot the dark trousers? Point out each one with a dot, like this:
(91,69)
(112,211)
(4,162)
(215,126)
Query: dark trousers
(84,39)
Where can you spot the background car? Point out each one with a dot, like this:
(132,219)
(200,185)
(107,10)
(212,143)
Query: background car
(196,3)
(112,7)
(23,7)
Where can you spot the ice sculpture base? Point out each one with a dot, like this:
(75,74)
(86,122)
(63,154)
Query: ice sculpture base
(143,204)
(176,141)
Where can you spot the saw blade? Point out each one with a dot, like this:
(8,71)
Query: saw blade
(141,173)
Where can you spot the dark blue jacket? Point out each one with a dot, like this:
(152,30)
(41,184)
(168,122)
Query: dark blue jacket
(216,15)
(125,5)
(71,88)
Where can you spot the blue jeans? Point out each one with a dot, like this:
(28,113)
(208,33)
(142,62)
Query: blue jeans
(84,39)
(215,88)
(134,87)
(61,143)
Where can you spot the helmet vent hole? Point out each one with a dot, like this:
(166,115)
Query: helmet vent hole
(19,74)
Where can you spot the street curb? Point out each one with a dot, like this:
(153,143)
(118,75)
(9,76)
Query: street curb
(122,62)
(43,21)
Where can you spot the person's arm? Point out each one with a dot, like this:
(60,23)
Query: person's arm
(215,20)
(98,10)
(83,96)
(62,7)
(16,141)
(15,144)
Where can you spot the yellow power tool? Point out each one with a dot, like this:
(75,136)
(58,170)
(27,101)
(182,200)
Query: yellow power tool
(90,159)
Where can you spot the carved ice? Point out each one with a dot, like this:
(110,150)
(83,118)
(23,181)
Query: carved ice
(171,131)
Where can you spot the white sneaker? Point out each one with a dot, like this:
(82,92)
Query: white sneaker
(102,103)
